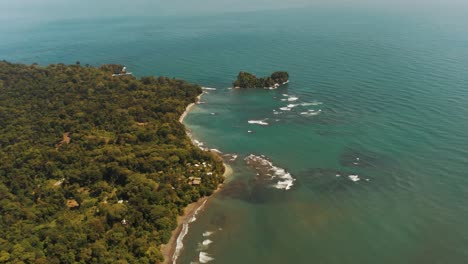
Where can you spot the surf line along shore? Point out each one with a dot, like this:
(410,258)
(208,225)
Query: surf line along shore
(172,249)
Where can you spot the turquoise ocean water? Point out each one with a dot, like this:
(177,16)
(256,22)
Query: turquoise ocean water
(382,96)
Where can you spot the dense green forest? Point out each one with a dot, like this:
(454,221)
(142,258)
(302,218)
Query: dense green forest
(248,80)
(94,168)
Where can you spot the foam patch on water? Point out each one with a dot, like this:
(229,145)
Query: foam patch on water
(354,178)
(183,233)
(203,257)
(204,245)
(216,150)
(230,157)
(292,105)
(311,112)
(199,144)
(285,108)
(209,88)
(206,242)
(283,179)
(311,103)
(207,233)
(258,122)
(293,98)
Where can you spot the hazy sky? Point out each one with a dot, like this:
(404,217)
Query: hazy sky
(54,9)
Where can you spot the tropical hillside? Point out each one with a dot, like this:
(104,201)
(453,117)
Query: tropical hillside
(94,168)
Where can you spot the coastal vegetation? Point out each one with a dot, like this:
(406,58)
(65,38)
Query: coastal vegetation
(94,168)
(248,80)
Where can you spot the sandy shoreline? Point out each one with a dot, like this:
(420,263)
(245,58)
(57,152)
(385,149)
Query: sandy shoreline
(190,211)
(187,110)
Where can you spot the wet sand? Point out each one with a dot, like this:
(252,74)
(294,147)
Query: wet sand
(187,109)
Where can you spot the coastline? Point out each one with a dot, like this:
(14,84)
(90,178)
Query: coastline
(188,108)
(168,250)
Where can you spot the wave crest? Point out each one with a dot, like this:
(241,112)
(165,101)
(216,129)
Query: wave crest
(265,168)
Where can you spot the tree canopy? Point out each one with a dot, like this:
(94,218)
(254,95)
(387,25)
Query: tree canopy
(248,80)
(94,168)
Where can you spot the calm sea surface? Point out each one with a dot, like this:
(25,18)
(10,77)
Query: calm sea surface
(375,135)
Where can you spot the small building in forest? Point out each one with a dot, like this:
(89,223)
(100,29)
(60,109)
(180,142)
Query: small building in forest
(71,203)
(194,180)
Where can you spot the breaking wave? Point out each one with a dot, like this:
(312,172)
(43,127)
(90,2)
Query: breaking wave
(311,112)
(206,242)
(311,104)
(203,257)
(354,178)
(207,233)
(282,179)
(258,122)
(183,233)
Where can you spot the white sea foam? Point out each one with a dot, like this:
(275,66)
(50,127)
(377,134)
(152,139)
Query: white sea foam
(284,100)
(206,242)
(258,122)
(310,113)
(216,150)
(292,105)
(284,179)
(285,95)
(275,86)
(203,257)
(312,103)
(198,143)
(293,98)
(285,108)
(183,233)
(209,88)
(354,178)
(230,157)
(207,233)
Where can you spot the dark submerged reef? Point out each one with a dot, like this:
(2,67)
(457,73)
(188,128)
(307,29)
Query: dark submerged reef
(94,168)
